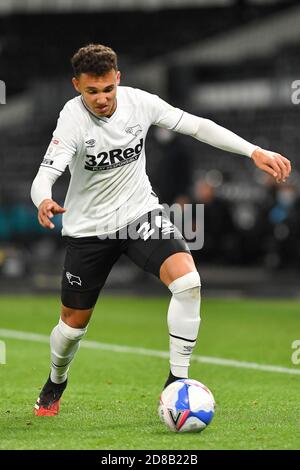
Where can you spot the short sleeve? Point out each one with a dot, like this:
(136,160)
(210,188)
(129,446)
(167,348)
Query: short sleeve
(160,112)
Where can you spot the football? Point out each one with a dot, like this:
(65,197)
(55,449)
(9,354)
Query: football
(186,406)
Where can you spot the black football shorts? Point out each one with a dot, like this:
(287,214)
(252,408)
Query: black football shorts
(148,242)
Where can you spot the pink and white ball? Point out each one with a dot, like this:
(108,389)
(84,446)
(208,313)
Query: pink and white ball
(186,406)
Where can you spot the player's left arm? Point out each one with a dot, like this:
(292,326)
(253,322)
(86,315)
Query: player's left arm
(211,133)
(165,115)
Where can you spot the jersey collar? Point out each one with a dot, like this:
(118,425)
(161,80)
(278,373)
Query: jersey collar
(101,119)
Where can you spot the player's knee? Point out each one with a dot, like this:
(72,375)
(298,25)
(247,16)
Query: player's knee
(75,318)
(189,284)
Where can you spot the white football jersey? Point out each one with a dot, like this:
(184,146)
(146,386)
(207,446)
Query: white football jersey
(109,187)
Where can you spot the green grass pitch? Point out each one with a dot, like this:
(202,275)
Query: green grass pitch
(111,400)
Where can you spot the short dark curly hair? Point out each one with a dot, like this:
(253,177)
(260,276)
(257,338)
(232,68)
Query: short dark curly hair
(94,59)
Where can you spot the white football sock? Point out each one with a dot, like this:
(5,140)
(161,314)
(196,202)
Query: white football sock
(183,321)
(64,343)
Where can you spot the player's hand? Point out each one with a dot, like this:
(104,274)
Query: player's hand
(272,163)
(47,210)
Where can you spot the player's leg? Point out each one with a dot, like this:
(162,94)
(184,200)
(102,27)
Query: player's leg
(65,340)
(166,255)
(87,265)
(64,343)
(178,272)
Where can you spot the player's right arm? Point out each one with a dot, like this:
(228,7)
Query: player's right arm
(41,195)
(58,156)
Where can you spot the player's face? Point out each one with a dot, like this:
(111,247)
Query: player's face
(99,92)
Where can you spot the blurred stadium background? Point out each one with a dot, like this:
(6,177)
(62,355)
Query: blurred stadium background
(233,61)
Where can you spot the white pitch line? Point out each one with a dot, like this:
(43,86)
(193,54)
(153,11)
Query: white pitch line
(24,336)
